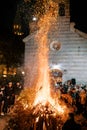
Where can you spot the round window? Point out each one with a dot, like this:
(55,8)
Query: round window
(55,45)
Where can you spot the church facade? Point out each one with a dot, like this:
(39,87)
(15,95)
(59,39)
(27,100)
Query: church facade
(67,50)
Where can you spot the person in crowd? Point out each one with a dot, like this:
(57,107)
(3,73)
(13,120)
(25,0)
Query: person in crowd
(1,98)
(65,87)
(18,88)
(70,124)
(9,97)
(83,97)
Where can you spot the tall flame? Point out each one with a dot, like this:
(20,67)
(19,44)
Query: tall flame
(43,94)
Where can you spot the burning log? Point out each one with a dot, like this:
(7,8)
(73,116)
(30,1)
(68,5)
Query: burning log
(39,117)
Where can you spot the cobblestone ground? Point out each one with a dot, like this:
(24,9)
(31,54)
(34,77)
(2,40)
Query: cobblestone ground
(3,121)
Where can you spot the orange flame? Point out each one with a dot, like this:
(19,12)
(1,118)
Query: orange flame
(43,94)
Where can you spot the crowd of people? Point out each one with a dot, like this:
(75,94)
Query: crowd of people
(75,95)
(72,94)
(8,95)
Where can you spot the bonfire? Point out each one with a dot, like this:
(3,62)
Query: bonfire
(38,107)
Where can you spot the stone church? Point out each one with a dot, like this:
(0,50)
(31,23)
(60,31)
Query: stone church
(67,50)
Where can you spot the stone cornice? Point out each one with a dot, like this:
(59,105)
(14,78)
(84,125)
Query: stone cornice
(73,29)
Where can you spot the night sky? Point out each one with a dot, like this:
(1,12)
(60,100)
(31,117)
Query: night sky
(7,14)
(79,14)
(8,8)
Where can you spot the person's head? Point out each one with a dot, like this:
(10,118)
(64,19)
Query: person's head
(18,83)
(71,115)
(10,84)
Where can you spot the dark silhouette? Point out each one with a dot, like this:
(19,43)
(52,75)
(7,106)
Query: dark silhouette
(70,124)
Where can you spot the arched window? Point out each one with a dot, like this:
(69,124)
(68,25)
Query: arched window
(61,9)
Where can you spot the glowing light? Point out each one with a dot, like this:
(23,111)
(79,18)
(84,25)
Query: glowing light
(34,18)
(4,75)
(56,66)
(23,72)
